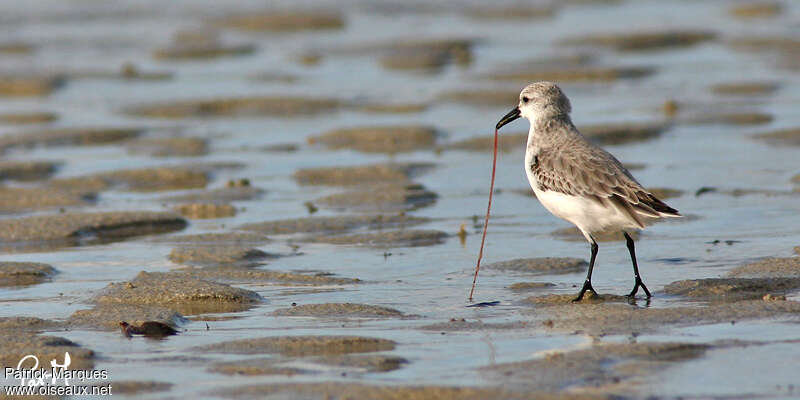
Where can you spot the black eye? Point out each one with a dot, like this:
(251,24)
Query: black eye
(525,99)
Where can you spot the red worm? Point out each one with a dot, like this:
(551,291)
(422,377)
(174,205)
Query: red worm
(486,221)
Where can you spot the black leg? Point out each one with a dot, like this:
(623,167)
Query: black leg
(588,284)
(639,282)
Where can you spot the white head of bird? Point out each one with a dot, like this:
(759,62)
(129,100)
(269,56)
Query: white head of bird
(539,101)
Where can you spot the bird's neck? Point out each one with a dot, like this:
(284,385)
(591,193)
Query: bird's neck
(540,134)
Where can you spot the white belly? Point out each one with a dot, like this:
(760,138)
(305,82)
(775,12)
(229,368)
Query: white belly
(589,215)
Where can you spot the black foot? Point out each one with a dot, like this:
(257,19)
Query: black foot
(586,286)
(638,284)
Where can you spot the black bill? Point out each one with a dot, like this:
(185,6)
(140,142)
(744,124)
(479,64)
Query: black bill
(512,115)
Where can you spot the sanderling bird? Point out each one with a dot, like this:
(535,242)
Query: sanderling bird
(578,181)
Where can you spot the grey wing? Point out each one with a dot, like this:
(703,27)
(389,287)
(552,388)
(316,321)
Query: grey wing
(593,173)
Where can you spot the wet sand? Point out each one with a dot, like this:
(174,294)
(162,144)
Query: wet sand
(298,193)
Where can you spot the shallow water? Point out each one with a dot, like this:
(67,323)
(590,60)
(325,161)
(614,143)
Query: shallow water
(431,282)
